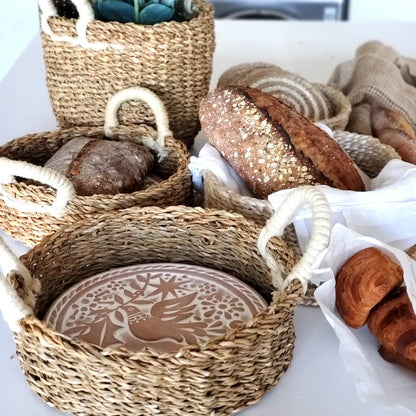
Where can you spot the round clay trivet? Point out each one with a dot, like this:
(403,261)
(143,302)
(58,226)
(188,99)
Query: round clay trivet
(159,306)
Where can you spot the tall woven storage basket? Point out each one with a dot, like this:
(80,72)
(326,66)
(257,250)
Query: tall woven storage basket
(29,211)
(218,377)
(87,61)
(368,153)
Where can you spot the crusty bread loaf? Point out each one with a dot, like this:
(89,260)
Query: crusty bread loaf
(362,282)
(102,166)
(270,145)
(393,129)
(393,323)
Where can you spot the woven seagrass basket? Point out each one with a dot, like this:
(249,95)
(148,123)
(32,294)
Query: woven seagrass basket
(87,61)
(318,102)
(29,211)
(340,105)
(223,375)
(368,153)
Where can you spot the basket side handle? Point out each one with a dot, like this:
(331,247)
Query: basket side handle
(187,5)
(65,191)
(11,305)
(156,105)
(86,16)
(319,239)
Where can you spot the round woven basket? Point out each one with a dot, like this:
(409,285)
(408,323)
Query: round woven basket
(87,61)
(31,210)
(368,153)
(221,376)
(318,102)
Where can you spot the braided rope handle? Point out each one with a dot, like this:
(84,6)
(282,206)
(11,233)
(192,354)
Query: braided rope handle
(65,191)
(319,239)
(11,305)
(156,105)
(86,16)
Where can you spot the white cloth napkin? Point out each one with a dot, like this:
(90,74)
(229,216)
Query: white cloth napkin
(389,386)
(210,159)
(386,211)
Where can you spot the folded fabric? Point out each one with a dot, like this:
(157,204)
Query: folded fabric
(210,159)
(378,72)
(386,211)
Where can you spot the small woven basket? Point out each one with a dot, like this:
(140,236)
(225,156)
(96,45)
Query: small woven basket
(87,61)
(221,376)
(368,153)
(29,211)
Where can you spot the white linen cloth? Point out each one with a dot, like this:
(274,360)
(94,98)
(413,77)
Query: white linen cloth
(210,159)
(387,385)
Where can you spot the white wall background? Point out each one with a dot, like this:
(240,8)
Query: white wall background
(19,22)
(382,10)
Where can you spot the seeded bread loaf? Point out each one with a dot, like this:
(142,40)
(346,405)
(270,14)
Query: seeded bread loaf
(102,166)
(270,145)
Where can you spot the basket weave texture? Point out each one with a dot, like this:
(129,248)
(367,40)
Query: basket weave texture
(219,377)
(173,59)
(31,227)
(368,153)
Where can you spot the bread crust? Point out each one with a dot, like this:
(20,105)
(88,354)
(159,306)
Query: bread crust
(270,145)
(98,166)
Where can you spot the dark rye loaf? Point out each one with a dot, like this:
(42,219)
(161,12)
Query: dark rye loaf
(98,166)
(270,145)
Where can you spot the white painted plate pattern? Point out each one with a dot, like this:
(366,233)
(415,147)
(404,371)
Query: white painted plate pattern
(158,306)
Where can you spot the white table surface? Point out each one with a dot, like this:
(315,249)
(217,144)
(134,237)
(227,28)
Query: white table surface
(316,382)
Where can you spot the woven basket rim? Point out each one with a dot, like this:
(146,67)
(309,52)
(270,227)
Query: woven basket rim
(340,102)
(205,10)
(175,145)
(286,299)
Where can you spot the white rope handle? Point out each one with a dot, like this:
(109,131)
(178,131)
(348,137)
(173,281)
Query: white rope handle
(156,105)
(11,305)
(319,239)
(86,16)
(187,5)
(64,189)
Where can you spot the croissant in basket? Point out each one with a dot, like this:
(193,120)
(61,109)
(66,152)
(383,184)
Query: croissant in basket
(393,323)
(362,282)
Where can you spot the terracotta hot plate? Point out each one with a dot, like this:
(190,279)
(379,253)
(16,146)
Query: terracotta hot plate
(159,306)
